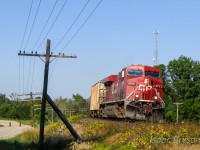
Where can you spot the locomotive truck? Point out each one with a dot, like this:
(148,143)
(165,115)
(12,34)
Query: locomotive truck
(135,93)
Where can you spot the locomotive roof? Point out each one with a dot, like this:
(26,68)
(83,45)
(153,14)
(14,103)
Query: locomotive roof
(142,66)
(111,78)
(114,78)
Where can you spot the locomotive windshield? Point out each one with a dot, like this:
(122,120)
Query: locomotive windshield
(132,72)
(152,74)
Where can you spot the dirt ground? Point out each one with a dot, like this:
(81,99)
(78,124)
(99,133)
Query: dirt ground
(14,129)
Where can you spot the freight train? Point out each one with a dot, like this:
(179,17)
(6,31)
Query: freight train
(135,93)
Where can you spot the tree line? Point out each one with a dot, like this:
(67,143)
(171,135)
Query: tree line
(181,79)
(10,109)
(14,110)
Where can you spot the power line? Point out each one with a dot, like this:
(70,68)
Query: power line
(67,33)
(51,29)
(29,73)
(21,48)
(33,73)
(72,24)
(32,25)
(26,24)
(77,30)
(53,70)
(52,24)
(45,25)
(81,26)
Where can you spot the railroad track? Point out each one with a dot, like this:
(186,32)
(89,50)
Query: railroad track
(121,120)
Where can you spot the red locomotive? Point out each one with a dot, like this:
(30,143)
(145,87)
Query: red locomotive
(136,93)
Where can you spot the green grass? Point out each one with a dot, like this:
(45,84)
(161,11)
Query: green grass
(29,140)
(76,118)
(55,138)
(15,144)
(104,135)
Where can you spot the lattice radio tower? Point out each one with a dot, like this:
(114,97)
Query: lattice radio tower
(155,57)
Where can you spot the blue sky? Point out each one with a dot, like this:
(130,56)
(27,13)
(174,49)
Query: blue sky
(118,34)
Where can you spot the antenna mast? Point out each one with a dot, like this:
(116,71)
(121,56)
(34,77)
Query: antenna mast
(155,57)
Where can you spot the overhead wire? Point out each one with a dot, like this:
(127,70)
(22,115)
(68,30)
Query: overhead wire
(35,17)
(67,33)
(30,9)
(77,30)
(26,24)
(29,74)
(52,24)
(33,74)
(48,33)
(82,25)
(72,24)
(53,70)
(32,25)
(45,25)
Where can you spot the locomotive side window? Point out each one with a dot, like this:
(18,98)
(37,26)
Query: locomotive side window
(152,74)
(132,72)
(122,73)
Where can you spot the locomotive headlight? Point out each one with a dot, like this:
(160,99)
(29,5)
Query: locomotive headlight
(146,81)
(155,97)
(136,96)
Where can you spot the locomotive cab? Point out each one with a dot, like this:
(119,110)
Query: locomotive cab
(144,93)
(136,93)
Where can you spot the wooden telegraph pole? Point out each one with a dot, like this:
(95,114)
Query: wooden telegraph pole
(32,104)
(177,104)
(47,97)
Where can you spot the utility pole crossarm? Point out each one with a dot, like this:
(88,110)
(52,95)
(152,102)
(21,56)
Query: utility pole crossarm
(28,94)
(44,55)
(62,56)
